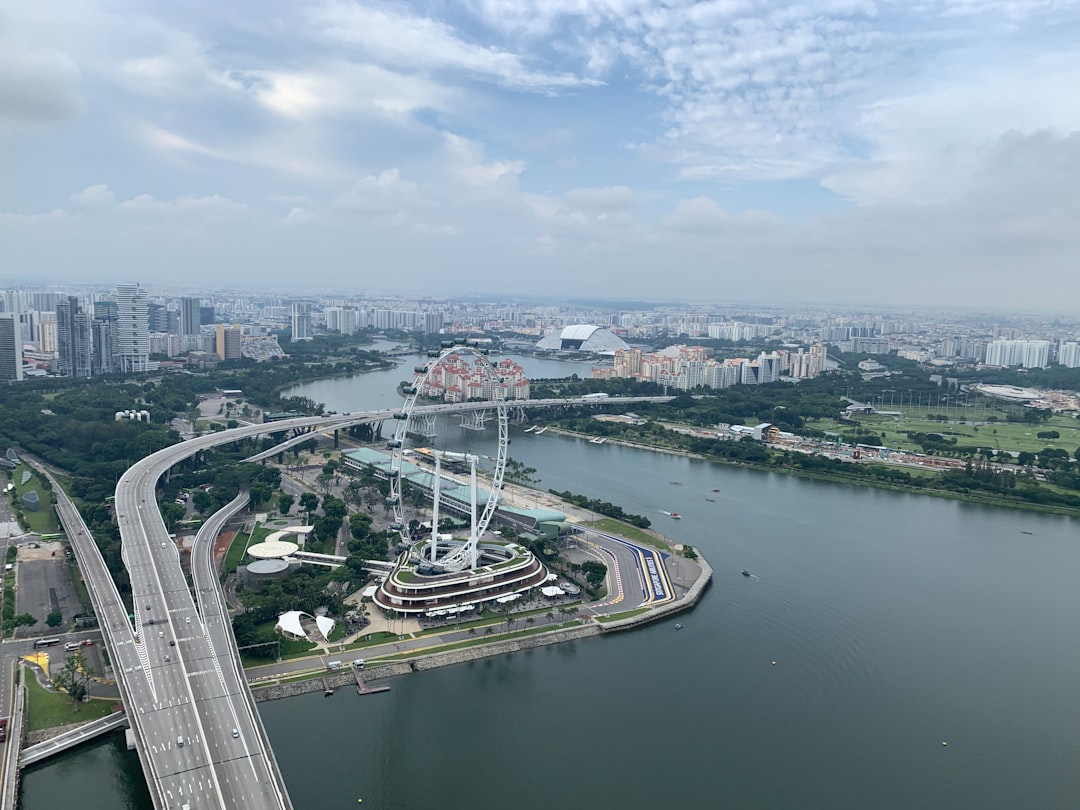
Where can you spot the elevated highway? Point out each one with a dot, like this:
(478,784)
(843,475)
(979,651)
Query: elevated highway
(197,733)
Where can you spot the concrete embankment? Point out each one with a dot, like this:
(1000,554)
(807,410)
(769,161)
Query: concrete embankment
(423,662)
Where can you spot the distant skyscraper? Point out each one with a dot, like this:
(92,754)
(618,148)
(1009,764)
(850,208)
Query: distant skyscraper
(132,329)
(106,311)
(1069,354)
(73,341)
(190,316)
(11,366)
(104,359)
(301,321)
(206,315)
(229,344)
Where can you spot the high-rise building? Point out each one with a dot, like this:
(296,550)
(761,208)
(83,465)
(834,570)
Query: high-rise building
(163,320)
(190,316)
(47,340)
(11,363)
(45,301)
(104,358)
(1069,354)
(1026,353)
(106,311)
(229,344)
(73,340)
(206,315)
(132,329)
(301,321)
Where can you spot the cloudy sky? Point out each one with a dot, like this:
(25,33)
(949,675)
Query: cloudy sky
(864,151)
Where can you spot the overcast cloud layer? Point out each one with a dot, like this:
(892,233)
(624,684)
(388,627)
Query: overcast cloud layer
(899,151)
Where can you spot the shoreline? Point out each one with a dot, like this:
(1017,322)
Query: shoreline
(854,480)
(317,680)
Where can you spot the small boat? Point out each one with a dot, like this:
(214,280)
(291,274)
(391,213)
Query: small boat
(597,440)
(711,500)
(1027,532)
(716,490)
(675,483)
(746,572)
(678,626)
(676,515)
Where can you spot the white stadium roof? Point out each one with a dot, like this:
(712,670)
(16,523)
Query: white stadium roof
(582,337)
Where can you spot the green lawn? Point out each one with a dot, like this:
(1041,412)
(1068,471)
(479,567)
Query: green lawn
(44,520)
(1014,436)
(235,555)
(45,709)
(632,533)
(626,614)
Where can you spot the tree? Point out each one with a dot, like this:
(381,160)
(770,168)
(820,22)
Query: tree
(285,502)
(202,501)
(309,501)
(260,494)
(54,619)
(73,677)
(595,572)
(24,620)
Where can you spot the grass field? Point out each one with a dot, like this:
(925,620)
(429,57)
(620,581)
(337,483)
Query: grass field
(632,533)
(45,709)
(235,555)
(1013,436)
(44,520)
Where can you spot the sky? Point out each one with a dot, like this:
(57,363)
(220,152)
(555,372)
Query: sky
(879,152)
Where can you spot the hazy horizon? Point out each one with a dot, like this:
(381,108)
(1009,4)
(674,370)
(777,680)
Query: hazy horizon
(847,152)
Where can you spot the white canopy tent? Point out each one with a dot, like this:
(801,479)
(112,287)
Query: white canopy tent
(290,623)
(325,625)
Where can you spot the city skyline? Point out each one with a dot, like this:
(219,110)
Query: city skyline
(849,152)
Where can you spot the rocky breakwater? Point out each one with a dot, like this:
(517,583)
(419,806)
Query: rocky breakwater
(460,656)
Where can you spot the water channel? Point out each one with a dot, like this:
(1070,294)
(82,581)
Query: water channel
(896,622)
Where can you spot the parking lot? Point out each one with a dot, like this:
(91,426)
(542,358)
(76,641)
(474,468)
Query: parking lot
(44,585)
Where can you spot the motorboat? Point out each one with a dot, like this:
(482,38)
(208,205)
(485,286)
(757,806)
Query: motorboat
(678,626)
(746,572)
(676,515)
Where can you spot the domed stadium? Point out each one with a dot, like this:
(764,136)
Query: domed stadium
(582,337)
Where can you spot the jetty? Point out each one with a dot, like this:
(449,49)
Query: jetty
(363,689)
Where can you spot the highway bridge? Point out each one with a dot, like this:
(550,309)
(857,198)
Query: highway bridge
(199,737)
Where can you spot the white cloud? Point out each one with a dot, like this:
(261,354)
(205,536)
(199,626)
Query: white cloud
(392,36)
(611,198)
(209,208)
(341,87)
(98,196)
(467,162)
(37,85)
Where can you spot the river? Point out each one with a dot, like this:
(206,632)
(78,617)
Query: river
(896,622)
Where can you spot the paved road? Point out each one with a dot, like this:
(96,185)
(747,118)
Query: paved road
(191,734)
(193,720)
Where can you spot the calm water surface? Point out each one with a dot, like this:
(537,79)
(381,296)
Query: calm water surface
(896,622)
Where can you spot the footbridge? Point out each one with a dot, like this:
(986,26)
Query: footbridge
(69,739)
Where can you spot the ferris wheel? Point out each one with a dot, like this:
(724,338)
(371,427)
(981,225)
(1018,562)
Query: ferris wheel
(492,385)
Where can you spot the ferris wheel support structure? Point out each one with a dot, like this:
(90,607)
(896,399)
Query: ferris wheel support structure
(402,418)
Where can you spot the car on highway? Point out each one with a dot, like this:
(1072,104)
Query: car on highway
(167,658)
(235,733)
